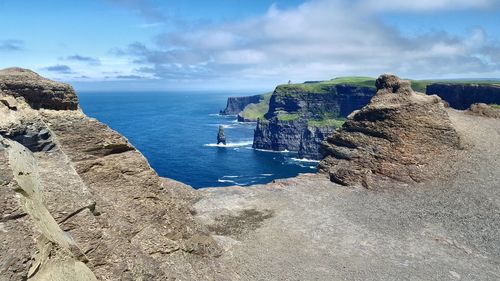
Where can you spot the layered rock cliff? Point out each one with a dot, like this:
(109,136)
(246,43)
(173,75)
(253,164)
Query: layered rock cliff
(463,95)
(81,203)
(300,116)
(236,104)
(397,136)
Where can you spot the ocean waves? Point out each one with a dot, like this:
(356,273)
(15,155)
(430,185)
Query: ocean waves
(230,144)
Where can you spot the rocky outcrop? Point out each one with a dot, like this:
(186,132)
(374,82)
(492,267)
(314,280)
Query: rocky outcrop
(236,104)
(90,206)
(485,110)
(397,136)
(286,125)
(37,91)
(221,138)
(462,96)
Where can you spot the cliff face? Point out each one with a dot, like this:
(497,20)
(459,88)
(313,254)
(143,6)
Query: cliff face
(311,140)
(335,101)
(397,135)
(236,104)
(37,92)
(287,124)
(279,135)
(79,202)
(462,96)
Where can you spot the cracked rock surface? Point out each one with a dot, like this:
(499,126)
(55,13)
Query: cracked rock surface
(88,205)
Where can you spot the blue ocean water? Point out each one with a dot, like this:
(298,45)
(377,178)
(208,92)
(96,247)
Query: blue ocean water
(177,133)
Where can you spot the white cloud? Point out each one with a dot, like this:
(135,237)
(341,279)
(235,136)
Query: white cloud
(425,5)
(318,40)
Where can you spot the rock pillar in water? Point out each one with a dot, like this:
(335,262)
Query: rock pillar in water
(221,138)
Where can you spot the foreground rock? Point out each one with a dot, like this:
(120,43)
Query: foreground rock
(37,91)
(79,202)
(396,136)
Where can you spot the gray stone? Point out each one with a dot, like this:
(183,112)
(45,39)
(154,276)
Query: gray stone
(221,138)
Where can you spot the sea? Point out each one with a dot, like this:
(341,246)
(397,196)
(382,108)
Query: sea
(177,133)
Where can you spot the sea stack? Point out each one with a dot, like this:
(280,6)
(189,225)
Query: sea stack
(221,138)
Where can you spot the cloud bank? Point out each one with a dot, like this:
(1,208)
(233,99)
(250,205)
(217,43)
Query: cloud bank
(318,40)
(60,68)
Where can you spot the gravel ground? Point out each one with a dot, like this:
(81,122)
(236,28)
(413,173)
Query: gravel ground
(308,228)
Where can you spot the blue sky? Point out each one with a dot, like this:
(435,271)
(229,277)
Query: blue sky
(229,44)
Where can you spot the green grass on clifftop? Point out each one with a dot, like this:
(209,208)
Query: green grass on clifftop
(496,106)
(256,111)
(288,116)
(420,85)
(324,86)
(330,122)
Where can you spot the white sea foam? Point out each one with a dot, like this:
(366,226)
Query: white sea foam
(266,175)
(271,151)
(228,181)
(225,126)
(230,177)
(231,144)
(304,160)
(243,123)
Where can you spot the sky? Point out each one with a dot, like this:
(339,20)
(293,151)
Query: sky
(247,45)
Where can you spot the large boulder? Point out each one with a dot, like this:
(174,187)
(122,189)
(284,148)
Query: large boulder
(38,92)
(395,137)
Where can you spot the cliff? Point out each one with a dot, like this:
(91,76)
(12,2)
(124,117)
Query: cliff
(255,111)
(397,136)
(81,203)
(300,116)
(236,104)
(78,202)
(463,95)
(37,92)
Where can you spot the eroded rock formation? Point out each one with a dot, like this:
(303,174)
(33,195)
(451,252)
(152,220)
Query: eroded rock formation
(221,138)
(37,91)
(397,135)
(79,202)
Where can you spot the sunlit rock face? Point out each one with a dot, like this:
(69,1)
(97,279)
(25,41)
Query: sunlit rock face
(395,136)
(37,91)
(79,202)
